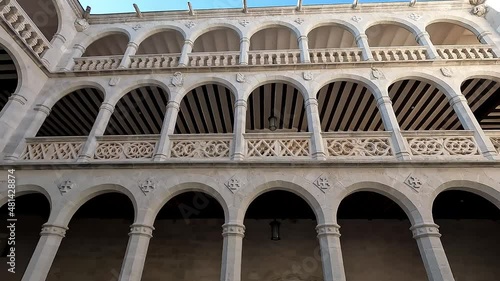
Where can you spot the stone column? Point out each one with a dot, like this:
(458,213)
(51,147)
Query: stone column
(304,49)
(137,250)
(314,124)
(469,122)
(486,37)
(45,252)
(10,116)
(424,39)
(53,54)
(100,125)
(232,251)
(362,41)
(240,117)
(78,51)
(131,50)
(244,49)
(432,252)
(391,124)
(186,50)
(168,128)
(331,253)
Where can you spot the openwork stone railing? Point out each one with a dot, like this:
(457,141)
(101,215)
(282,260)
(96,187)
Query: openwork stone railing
(97,63)
(50,149)
(336,55)
(213,59)
(15,17)
(154,61)
(399,53)
(435,143)
(201,146)
(465,52)
(266,57)
(278,145)
(495,139)
(359,144)
(126,147)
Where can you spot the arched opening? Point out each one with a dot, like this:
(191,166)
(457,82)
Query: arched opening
(217,40)
(280,100)
(8,77)
(296,256)
(74,114)
(31,211)
(44,14)
(96,242)
(376,242)
(274,38)
(470,227)
(445,33)
(422,106)
(140,112)
(164,42)
(348,106)
(483,96)
(187,242)
(111,45)
(386,35)
(331,37)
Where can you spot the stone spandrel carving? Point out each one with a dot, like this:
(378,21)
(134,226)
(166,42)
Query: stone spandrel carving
(496,143)
(177,79)
(81,25)
(415,16)
(356,18)
(244,22)
(413,182)
(147,186)
(446,72)
(190,24)
(66,186)
(241,78)
(308,75)
(480,10)
(233,184)
(377,74)
(322,183)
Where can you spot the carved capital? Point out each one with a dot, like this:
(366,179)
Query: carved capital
(42,108)
(482,35)
(421,35)
(133,45)
(107,106)
(328,230)
(361,37)
(311,102)
(141,229)
(189,42)
(173,105)
(80,48)
(457,99)
(18,98)
(233,229)
(242,103)
(50,229)
(425,230)
(384,100)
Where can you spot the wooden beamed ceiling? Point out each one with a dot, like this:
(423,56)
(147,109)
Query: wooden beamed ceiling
(8,77)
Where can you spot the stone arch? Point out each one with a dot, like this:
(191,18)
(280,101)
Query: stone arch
(460,21)
(133,85)
(119,34)
(353,29)
(213,26)
(39,9)
(339,24)
(471,34)
(157,29)
(442,85)
(61,91)
(253,85)
(25,190)
(293,40)
(392,24)
(21,68)
(271,24)
(99,34)
(191,85)
(482,189)
(406,24)
(324,80)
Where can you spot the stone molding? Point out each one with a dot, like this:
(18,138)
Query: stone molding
(331,229)
(425,230)
(18,98)
(50,229)
(141,230)
(233,229)
(107,106)
(43,108)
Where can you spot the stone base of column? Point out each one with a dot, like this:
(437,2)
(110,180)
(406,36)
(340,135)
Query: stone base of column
(404,155)
(319,156)
(238,157)
(160,158)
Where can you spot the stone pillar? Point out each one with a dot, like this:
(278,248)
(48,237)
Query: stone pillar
(186,50)
(486,37)
(232,251)
(131,50)
(304,49)
(53,54)
(424,39)
(362,41)
(469,122)
(10,116)
(78,51)
(432,252)
(137,250)
(45,252)
(168,128)
(100,125)
(331,253)
(314,124)
(244,49)
(240,117)
(391,124)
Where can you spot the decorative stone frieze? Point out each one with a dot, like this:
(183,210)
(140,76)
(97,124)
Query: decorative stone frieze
(278,148)
(365,147)
(177,79)
(322,183)
(48,151)
(42,108)
(200,148)
(81,25)
(66,186)
(232,229)
(425,230)
(447,72)
(147,186)
(141,229)
(328,229)
(233,184)
(49,229)
(413,182)
(120,150)
(443,146)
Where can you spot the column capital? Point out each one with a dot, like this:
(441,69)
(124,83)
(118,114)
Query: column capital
(173,104)
(55,230)
(43,108)
(384,100)
(311,102)
(425,230)
(79,47)
(133,45)
(188,42)
(107,106)
(240,102)
(233,229)
(141,229)
(302,38)
(245,39)
(483,34)
(459,98)
(60,37)
(361,36)
(421,35)
(331,229)
(18,98)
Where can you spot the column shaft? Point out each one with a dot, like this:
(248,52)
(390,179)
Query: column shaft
(232,252)
(240,116)
(186,50)
(100,124)
(244,49)
(131,50)
(362,41)
(314,124)
(137,249)
(304,49)
(10,117)
(78,51)
(425,40)
(331,253)
(391,124)
(486,37)
(168,128)
(45,252)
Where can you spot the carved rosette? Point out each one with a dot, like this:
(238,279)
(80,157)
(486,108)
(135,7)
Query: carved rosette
(141,229)
(49,229)
(66,186)
(233,229)
(233,184)
(425,230)
(322,183)
(328,230)
(413,182)
(370,147)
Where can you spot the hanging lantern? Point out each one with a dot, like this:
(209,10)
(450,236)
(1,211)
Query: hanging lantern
(275,230)
(273,121)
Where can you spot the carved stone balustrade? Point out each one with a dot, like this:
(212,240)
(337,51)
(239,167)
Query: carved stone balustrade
(154,61)
(209,146)
(16,18)
(213,59)
(495,139)
(472,52)
(406,53)
(267,57)
(52,148)
(272,145)
(442,143)
(336,55)
(358,145)
(97,63)
(126,147)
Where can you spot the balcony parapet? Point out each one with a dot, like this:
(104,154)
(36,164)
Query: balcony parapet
(213,59)
(358,145)
(278,145)
(407,53)
(442,143)
(52,148)
(466,52)
(126,147)
(154,61)
(209,146)
(495,139)
(23,26)
(270,57)
(97,63)
(347,55)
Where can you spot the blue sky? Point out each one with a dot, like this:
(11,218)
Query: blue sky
(112,6)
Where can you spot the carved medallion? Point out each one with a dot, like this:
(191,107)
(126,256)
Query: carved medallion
(446,72)
(233,184)
(177,79)
(299,20)
(415,16)
(240,78)
(413,182)
(356,18)
(244,22)
(147,186)
(66,186)
(114,81)
(308,75)
(190,24)
(322,183)
(480,10)
(377,74)
(81,25)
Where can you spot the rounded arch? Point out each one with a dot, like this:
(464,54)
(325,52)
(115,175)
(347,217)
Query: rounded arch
(46,16)
(482,74)
(206,79)
(18,63)
(400,33)
(283,185)
(214,26)
(449,33)
(70,206)
(120,38)
(332,35)
(286,38)
(324,80)
(484,190)
(406,24)
(353,29)
(408,206)
(440,84)
(272,24)
(56,92)
(218,39)
(25,190)
(156,30)
(460,21)
(277,79)
(99,34)
(136,84)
